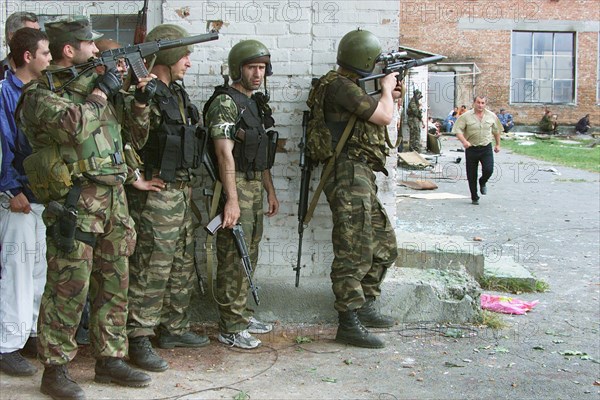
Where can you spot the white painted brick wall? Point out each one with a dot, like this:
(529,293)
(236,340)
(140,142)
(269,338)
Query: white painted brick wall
(302,36)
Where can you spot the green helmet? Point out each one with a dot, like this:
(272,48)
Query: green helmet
(245,52)
(169,32)
(358,51)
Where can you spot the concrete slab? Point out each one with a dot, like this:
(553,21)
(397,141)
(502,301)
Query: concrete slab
(409,295)
(505,272)
(439,252)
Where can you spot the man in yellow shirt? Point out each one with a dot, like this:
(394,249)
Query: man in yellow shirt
(475,130)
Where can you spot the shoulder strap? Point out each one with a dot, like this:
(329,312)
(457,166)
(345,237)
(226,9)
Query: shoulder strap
(329,168)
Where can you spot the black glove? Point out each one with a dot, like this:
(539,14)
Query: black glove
(110,83)
(143,96)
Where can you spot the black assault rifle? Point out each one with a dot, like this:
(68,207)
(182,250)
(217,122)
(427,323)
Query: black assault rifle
(303,200)
(133,55)
(215,224)
(394,62)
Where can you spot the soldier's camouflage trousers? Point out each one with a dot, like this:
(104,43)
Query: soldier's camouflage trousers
(414,127)
(102,269)
(232,285)
(162,267)
(364,243)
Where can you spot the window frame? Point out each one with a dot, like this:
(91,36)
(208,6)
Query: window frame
(531,70)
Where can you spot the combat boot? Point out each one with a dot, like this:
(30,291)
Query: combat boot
(370,317)
(58,384)
(111,369)
(351,331)
(143,355)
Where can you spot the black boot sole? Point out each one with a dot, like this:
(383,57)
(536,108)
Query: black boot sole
(149,368)
(359,344)
(47,393)
(378,325)
(110,379)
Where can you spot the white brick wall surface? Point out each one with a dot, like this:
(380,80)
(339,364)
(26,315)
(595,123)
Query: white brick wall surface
(302,36)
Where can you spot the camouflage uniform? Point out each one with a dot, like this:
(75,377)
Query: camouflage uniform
(415,120)
(364,242)
(162,267)
(232,285)
(85,126)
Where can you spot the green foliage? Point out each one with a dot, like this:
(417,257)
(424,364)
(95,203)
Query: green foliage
(513,285)
(303,339)
(241,395)
(491,319)
(580,155)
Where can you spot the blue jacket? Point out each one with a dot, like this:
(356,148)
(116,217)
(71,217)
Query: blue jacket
(15,146)
(505,119)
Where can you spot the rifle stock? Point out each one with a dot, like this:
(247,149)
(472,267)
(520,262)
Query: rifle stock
(133,55)
(141,24)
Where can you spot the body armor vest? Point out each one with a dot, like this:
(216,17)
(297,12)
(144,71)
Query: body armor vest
(101,153)
(254,148)
(174,145)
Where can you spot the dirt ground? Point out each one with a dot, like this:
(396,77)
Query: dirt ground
(548,222)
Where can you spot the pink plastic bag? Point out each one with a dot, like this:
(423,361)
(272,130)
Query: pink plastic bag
(506,305)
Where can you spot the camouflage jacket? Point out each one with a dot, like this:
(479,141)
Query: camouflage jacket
(343,98)
(413,110)
(85,127)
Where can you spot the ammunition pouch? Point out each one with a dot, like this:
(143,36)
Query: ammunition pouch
(49,176)
(175,144)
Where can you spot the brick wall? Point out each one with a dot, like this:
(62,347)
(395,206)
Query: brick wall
(480,31)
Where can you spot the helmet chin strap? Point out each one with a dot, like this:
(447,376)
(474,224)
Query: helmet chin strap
(266,90)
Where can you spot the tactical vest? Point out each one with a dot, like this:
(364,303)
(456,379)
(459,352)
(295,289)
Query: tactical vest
(254,147)
(99,156)
(174,145)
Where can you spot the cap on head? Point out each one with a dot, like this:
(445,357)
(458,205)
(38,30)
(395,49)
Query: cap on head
(169,32)
(71,28)
(417,93)
(245,52)
(358,51)
(502,110)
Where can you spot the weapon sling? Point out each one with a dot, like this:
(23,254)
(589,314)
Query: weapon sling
(328,168)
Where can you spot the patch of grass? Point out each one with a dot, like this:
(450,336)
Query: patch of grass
(241,395)
(507,285)
(491,319)
(579,155)
(541,286)
(515,286)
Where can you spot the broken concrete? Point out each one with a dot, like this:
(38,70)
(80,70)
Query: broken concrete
(445,253)
(408,294)
(506,272)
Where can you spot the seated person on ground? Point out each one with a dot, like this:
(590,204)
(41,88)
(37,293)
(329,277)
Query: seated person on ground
(506,119)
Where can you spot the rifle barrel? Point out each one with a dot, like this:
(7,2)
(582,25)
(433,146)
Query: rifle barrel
(169,44)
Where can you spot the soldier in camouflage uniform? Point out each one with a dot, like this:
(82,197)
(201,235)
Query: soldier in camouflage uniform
(236,118)
(415,121)
(364,243)
(162,267)
(89,239)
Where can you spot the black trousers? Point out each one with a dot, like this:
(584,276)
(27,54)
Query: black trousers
(473,156)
